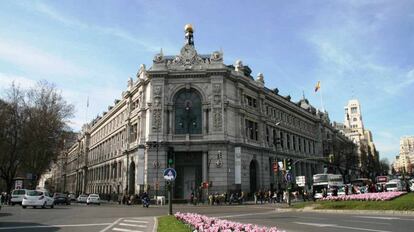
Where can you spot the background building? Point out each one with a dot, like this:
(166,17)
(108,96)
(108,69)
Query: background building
(354,129)
(404,162)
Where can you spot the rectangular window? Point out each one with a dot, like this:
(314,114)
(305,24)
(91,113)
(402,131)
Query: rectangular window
(288,141)
(133,133)
(354,110)
(282,139)
(251,129)
(267,134)
(294,142)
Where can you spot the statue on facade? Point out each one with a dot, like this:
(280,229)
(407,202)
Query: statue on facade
(238,66)
(130,82)
(142,72)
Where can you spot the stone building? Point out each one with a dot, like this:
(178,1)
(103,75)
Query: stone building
(404,162)
(353,128)
(214,122)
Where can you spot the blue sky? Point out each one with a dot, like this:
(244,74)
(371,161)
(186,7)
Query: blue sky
(357,49)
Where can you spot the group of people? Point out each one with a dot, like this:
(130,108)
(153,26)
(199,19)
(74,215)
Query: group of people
(5,198)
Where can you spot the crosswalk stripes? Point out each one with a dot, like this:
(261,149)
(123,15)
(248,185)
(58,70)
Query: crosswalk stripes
(133,225)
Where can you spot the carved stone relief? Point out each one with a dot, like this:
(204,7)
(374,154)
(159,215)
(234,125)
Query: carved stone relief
(218,122)
(156,120)
(217,107)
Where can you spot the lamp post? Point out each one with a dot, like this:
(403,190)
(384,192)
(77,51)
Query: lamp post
(156,164)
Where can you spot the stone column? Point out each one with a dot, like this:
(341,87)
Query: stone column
(205,166)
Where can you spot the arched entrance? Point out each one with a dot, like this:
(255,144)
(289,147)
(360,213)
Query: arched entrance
(253,170)
(132,178)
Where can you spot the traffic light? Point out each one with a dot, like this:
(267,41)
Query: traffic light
(289,163)
(170,157)
(331,158)
(275,167)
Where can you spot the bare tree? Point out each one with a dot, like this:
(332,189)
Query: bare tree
(44,132)
(32,129)
(384,166)
(12,120)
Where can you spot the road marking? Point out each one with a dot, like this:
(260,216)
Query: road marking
(383,223)
(382,218)
(125,224)
(111,225)
(242,215)
(135,221)
(338,226)
(49,226)
(315,224)
(126,230)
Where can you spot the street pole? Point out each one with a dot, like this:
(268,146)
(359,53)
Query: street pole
(169,183)
(156,182)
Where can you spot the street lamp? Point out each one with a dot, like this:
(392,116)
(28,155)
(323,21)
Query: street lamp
(156,164)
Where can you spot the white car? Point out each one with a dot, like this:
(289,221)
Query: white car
(82,198)
(17,196)
(93,199)
(393,186)
(36,198)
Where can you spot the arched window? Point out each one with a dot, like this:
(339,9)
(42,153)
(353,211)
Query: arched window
(188,112)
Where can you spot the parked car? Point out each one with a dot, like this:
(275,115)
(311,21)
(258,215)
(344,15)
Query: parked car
(82,198)
(72,197)
(93,199)
(17,196)
(61,198)
(394,185)
(36,198)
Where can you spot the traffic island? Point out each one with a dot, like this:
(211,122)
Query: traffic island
(401,203)
(170,223)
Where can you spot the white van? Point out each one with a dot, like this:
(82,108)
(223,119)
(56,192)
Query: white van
(393,186)
(17,196)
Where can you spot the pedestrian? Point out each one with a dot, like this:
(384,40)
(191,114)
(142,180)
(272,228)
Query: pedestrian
(192,198)
(3,199)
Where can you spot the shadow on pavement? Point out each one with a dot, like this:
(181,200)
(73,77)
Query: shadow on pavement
(26,226)
(5,214)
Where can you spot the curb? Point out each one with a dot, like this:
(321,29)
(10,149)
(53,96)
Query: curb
(155,228)
(383,212)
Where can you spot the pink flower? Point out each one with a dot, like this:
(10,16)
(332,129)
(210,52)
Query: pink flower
(206,224)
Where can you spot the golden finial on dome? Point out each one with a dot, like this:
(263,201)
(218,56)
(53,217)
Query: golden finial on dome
(188,28)
(189,34)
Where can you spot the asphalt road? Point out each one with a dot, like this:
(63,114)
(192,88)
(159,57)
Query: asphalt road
(111,217)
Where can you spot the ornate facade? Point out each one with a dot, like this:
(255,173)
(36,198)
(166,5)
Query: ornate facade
(215,122)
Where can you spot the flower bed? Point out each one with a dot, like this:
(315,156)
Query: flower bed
(382,196)
(202,223)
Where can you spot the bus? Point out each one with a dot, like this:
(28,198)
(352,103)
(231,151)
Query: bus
(330,182)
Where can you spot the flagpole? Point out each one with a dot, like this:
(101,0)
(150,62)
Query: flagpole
(320,95)
(87,107)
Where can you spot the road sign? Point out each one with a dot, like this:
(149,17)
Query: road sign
(18,184)
(301,181)
(288,177)
(170,174)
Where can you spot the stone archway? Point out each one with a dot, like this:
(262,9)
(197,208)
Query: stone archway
(132,178)
(253,173)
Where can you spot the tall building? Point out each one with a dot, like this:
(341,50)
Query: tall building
(404,162)
(354,129)
(212,122)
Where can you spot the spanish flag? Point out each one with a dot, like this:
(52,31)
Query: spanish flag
(317,86)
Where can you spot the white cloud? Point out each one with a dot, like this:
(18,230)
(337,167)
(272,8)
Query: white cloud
(116,32)
(35,60)
(23,82)
(100,97)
